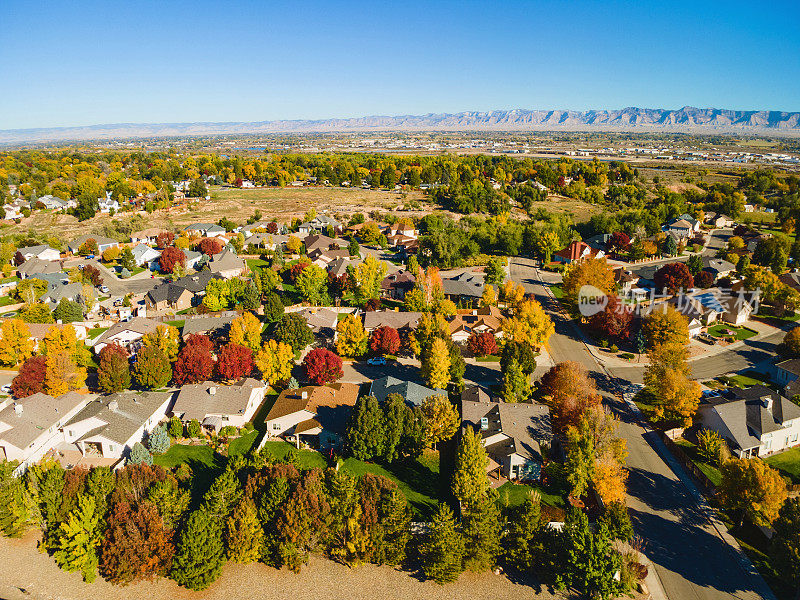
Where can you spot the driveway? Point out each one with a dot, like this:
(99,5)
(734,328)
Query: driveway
(692,559)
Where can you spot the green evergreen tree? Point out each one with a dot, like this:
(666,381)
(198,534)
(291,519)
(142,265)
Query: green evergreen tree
(99,484)
(480,524)
(171,501)
(200,554)
(469,476)
(223,495)
(618,521)
(68,311)
(175,427)
(366,431)
(396,528)
(413,440)
(442,553)
(75,542)
(521,534)
(16,506)
(251,298)
(347,540)
(139,455)
(395,412)
(515,383)
(695,264)
(158,441)
(244,534)
(45,483)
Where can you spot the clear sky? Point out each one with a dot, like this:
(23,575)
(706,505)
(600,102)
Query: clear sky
(66,63)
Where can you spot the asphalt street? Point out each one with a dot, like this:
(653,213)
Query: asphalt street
(692,560)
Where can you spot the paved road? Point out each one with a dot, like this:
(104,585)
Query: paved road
(692,560)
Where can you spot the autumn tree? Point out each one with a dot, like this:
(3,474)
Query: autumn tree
(366,278)
(567,389)
(195,362)
(151,369)
(753,489)
(482,344)
(441,419)
(170,258)
(788,348)
(244,534)
(614,321)
(676,397)
(246,331)
(384,340)
(15,342)
(594,271)
(322,366)
(113,373)
(62,373)
(673,277)
(234,362)
(352,338)
(275,361)
(210,246)
(164,239)
(165,338)
(663,326)
(469,475)
(785,546)
(530,325)
(310,283)
(293,330)
(31,377)
(436,365)
(76,540)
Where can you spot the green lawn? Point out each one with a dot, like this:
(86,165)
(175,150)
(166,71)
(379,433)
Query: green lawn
(256,263)
(517,492)
(740,333)
(710,471)
(7,301)
(744,380)
(557,291)
(242,445)
(490,358)
(788,463)
(180,453)
(178,323)
(306,459)
(93,333)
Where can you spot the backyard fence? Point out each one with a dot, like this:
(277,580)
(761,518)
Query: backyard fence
(706,485)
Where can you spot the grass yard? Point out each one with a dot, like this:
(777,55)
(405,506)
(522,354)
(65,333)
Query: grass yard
(788,463)
(740,333)
(177,323)
(708,470)
(194,455)
(7,301)
(306,459)
(746,379)
(93,333)
(557,291)
(256,263)
(489,358)
(242,445)
(518,492)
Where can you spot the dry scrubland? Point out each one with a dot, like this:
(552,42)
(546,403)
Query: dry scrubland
(280,203)
(28,574)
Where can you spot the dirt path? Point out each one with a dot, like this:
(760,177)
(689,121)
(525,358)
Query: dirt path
(27,574)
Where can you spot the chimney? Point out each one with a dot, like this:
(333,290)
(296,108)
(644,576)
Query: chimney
(212,390)
(304,395)
(18,409)
(113,406)
(767,401)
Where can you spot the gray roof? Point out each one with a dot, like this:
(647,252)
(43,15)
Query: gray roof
(465,284)
(414,393)
(225,261)
(320,318)
(475,393)
(140,325)
(391,318)
(172,291)
(123,419)
(747,417)
(792,366)
(40,412)
(140,249)
(75,244)
(70,291)
(338,266)
(216,322)
(525,425)
(207,227)
(34,250)
(37,266)
(717,265)
(197,400)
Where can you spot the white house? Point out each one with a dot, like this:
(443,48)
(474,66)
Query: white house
(30,427)
(127,334)
(110,425)
(216,406)
(144,255)
(107,204)
(42,252)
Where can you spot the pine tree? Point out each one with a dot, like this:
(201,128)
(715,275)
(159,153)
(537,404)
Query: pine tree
(442,553)
(515,383)
(244,533)
(171,500)
(366,433)
(76,540)
(469,476)
(522,533)
(223,495)
(16,506)
(139,455)
(394,411)
(158,442)
(347,540)
(200,555)
(480,523)
(396,528)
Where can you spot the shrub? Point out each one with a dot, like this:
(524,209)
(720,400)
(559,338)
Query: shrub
(194,429)
(159,442)
(613,348)
(140,455)
(175,427)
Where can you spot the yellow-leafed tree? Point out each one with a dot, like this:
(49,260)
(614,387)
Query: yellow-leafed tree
(165,338)
(352,337)
(62,373)
(16,344)
(436,365)
(275,361)
(246,331)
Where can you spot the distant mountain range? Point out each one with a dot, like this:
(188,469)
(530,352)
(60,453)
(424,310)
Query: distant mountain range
(684,120)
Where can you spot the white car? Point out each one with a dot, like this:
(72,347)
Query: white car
(104,289)
(378,360)
(6,389)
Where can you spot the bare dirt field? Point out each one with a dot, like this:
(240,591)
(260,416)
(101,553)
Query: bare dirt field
(29,574)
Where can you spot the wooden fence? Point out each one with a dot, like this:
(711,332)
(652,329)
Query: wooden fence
(700,478)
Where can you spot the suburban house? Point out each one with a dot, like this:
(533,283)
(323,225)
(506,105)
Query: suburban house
(215,325)
(718,220)
(682,227)
(68,291)
(325,258)
(787,373)
(145,256)
(480,320)
(103,243)
(109,426)
(107,204)
(316,415)
(42,252)
(626,280)
(599,241)
(192,258)
(205,230)
(401,321)
(50,202)
(321,320)
(466,288)
(180,294)
(226,264)
(37,266)
(339,266)
(146,236)
(513,435)
(319,223)
(414,393)
(30,427)
(718,268)
(318,244)
(577,251)
(403,228)
(791,279)
(127,334)
(396,285)
(216,406)
(757,422)
(38,331)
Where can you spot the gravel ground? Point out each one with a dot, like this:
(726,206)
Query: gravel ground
(29,574)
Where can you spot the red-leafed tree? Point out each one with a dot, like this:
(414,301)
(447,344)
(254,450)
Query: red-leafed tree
(234,362)
(272,227)
(615,320)
(170,257)
(92,275)
(31,376)
(195,362)
(137,546)
(703,280)
(114,372)
(618,242)
(482,344)
(210,246)
(322,366)
(297,268)
(164,239)
(385,340)
(673,277)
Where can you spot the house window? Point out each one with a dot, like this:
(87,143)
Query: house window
(793,438)
(225,418)
(768,444)
(276,426)
(111,447)
(484,423)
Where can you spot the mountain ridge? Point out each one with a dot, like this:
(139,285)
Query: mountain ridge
(687,119)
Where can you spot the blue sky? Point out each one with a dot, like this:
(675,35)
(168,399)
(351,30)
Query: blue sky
(80,63)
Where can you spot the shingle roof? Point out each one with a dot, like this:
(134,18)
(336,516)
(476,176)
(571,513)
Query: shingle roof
(525,426)
(414,393)
(40,412)
(792,366)
(75,244)
(216,322)
(331,405)
(225,261)
(747,417)
(37,266)
(140,325)
(197,400)
(391,318)
(466,284)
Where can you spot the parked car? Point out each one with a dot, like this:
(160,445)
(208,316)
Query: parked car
(117,301)
(6,389)
(104,289)
(377,360)
(707,339)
